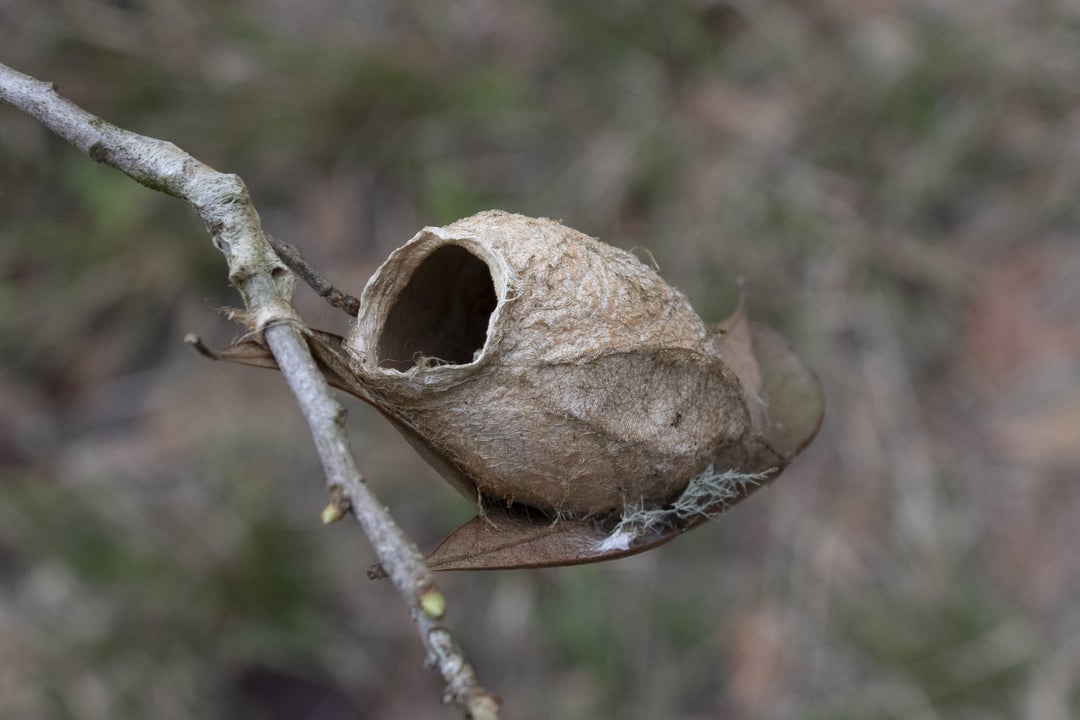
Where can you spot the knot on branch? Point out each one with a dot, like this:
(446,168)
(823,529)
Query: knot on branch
(274,312)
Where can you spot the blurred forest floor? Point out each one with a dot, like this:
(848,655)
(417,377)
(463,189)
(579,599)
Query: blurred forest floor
(896,180)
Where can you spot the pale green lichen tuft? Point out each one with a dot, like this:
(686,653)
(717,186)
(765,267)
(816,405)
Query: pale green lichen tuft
(708,495)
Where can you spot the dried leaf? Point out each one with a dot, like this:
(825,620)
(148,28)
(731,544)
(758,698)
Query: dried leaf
(792,396)
(733,343)
(499,540)
(246,352)
(502,538)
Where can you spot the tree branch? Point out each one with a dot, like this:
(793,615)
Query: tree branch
(266,285)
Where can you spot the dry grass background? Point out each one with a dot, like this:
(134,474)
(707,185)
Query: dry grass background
(897,180)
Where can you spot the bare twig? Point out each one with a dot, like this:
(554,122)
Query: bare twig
(266,285)
(326,290)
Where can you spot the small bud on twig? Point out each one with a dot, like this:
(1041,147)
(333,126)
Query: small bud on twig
(338,507)
(433,604)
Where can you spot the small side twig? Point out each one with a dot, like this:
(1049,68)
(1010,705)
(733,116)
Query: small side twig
(266,285)
(325,289)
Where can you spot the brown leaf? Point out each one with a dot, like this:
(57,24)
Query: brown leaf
(502,538)
(734,344)
(499,540)
(792,396)
(246,352)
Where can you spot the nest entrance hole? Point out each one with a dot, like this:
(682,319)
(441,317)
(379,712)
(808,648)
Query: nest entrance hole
(441,314)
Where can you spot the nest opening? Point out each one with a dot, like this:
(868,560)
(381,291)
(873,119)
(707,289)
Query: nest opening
(441,315)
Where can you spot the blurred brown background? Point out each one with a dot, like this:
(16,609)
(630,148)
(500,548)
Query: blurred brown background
(897,180)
